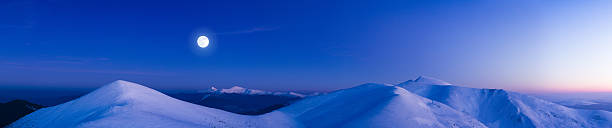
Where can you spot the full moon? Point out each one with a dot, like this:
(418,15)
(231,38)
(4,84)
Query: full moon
(203,41)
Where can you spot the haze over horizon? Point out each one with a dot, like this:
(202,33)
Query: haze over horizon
(525,46)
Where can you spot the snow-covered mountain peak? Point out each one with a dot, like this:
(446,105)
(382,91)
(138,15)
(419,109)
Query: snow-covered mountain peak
(499,108)
(235,89)
(126,104)
(212,88)
(423,103)
(122,89)
(425,80)
(376,105)
(124,86)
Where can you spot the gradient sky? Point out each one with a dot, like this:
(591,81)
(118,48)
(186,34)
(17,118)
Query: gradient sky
(529,46)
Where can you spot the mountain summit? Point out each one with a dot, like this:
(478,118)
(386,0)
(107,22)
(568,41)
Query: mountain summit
(425,80)
(376,105)
(499,108)
(127,104)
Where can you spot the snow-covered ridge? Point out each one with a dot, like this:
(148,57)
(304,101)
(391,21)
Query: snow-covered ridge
(126,104)
(416,103)
(499,108)
(425,80)
(376,105)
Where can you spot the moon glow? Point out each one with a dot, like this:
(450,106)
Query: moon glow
(203,41)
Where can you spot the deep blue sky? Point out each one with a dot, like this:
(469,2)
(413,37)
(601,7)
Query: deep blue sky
(306,45)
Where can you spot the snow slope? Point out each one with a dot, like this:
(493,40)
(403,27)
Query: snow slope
(376,105)
(498,108)
(126,104)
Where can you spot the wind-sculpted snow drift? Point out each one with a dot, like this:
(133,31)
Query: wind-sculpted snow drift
(435,103)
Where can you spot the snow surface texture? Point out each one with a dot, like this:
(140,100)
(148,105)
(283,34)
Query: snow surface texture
(498,108)
(376,105)
(126,104)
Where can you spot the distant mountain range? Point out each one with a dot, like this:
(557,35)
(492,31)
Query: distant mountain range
(423,102)
(240,100)
(236,99)
(590,101)
(130,105)
(13,110)
(245,91)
